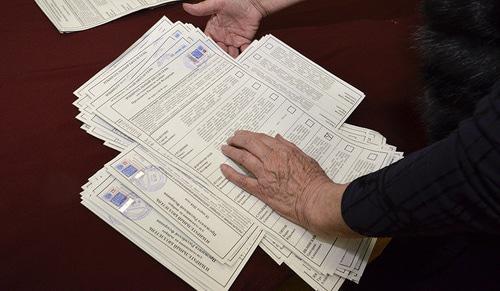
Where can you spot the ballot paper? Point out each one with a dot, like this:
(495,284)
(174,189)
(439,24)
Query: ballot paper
(169,102)
(192,98)
(301,80)
(107,195)
(76,15)
(214,224)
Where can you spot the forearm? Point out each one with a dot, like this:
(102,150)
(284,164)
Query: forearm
(451,186)
(267,7)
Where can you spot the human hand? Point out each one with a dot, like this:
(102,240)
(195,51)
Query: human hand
(233,23)
(287,180)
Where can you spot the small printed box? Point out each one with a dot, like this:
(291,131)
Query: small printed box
(328,136)
(256,86)
(291,109)
(239,74)
(349,148)
(273,97)
(309,123)
(246,66)
(257,57)
(269,45)
(372,157)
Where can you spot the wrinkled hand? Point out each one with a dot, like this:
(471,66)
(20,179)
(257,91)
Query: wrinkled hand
(233,23)
(288,180)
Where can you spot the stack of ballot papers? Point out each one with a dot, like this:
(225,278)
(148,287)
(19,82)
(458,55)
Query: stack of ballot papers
(77,15)
(169,102)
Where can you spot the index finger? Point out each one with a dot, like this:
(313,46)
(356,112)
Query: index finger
(246,183)
(250,141)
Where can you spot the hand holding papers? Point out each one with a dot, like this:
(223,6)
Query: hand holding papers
(234,24)
(168,104)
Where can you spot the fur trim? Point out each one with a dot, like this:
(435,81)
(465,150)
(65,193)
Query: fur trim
(480,18)
(461,60)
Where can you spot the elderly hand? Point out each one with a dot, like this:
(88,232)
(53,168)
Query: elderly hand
(288,180)
(233,23)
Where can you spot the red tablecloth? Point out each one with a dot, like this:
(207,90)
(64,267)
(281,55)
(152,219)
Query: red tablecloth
(47,239)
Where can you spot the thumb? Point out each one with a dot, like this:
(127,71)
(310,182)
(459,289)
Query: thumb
(207,7)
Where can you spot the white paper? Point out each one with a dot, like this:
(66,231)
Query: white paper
(302,81)
(160,235)
(76,15)
(179,96)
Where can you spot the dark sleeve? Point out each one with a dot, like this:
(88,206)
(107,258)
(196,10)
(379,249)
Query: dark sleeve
(451,186)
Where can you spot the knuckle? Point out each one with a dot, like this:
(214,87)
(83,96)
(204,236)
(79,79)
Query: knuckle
(270,157)
(242,181)
(253,143)
(241,132)
(261,135)
(242,158)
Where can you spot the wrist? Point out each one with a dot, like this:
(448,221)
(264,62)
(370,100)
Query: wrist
(325,214)
(267,7)
(259,5)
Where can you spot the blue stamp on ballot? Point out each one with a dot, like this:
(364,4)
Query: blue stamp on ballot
(119,199)
(198,52)
(129,170)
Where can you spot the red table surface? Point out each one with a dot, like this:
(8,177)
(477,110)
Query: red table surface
(50,241)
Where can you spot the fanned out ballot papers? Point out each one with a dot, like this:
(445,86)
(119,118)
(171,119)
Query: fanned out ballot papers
(169,102)
(77,15)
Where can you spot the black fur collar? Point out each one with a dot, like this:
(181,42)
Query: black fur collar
(460,45)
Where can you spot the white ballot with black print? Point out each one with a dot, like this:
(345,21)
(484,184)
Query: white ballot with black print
(180,97)
(214,224)
(76,15)
(173,246)
(301,80)
(190,104)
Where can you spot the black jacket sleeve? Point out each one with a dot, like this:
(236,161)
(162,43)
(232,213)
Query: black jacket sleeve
(451,186)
